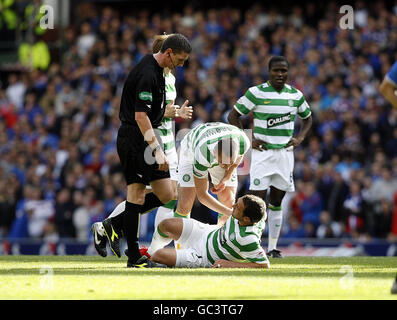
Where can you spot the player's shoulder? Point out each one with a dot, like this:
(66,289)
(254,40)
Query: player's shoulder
(291,89)
(169,76)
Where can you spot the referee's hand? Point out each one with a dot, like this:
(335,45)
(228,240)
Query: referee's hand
(161,159)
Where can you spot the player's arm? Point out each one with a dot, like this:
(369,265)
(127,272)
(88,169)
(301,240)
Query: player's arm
(221,263)
(206,199)
(228,175)
(296,141)
(242,107)
(234,119)
(388,90)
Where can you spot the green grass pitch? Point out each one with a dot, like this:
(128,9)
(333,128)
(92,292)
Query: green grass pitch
(290,278)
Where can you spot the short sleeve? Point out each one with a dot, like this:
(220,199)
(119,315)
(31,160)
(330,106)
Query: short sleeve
(144,93)
(245,103)
(244,143)
(202,162)
(303,108)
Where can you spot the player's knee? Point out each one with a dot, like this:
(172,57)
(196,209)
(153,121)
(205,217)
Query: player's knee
(166,196)
(158,256)
(137,199)
(165,226)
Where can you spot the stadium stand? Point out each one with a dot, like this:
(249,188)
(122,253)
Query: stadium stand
(59,170)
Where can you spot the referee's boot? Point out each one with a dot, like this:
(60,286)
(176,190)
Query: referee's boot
(144,262)
(99,239)
(112,236)
(274,254)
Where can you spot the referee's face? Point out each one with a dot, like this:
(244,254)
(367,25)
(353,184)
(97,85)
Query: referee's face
(176,59)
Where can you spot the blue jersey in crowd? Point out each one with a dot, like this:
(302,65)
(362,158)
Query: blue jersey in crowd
(392,74)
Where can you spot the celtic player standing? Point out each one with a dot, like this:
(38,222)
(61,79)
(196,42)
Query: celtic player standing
(212,149)
(274,105)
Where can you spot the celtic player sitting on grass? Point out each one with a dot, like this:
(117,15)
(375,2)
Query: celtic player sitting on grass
(234,245)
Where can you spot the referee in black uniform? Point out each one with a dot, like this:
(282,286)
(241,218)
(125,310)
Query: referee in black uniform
(141,110)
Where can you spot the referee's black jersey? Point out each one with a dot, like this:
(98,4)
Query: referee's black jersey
(144,90)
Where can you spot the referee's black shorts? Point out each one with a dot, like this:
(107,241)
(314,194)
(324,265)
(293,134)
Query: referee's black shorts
(136,157)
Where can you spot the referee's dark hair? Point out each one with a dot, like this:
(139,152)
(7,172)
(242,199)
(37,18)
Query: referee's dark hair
(178,43)
(275,59)
(254,207)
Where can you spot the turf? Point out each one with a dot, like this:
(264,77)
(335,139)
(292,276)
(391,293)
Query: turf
(291,278)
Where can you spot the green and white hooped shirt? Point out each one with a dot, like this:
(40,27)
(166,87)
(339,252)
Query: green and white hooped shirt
(273,112)
(202,140)
(166,128)
(236,243)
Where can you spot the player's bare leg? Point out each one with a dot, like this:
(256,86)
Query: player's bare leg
(171,228)
(186,197)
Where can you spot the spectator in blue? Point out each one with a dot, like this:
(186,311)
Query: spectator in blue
(294,229)
(311,205)
(388,87)
(353,205)
(330,96)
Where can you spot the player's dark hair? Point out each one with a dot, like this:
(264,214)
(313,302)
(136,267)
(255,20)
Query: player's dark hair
(254,207)
(178,43)
(275,59)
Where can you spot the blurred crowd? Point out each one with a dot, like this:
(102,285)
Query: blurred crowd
(59,169)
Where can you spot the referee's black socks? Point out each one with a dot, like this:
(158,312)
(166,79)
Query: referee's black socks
(151,202)
(131,229)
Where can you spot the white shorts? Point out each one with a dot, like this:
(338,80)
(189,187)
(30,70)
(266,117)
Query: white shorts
(185,172)
(193,241)
(272,167)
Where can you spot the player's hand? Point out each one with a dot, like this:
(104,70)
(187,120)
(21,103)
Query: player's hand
(295,142)
(170,110)
(219,187)
(161,159)
(185,112)
(258,145)
(221,263)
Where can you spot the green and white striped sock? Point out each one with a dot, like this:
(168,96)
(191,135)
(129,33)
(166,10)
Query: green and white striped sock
(274,221)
